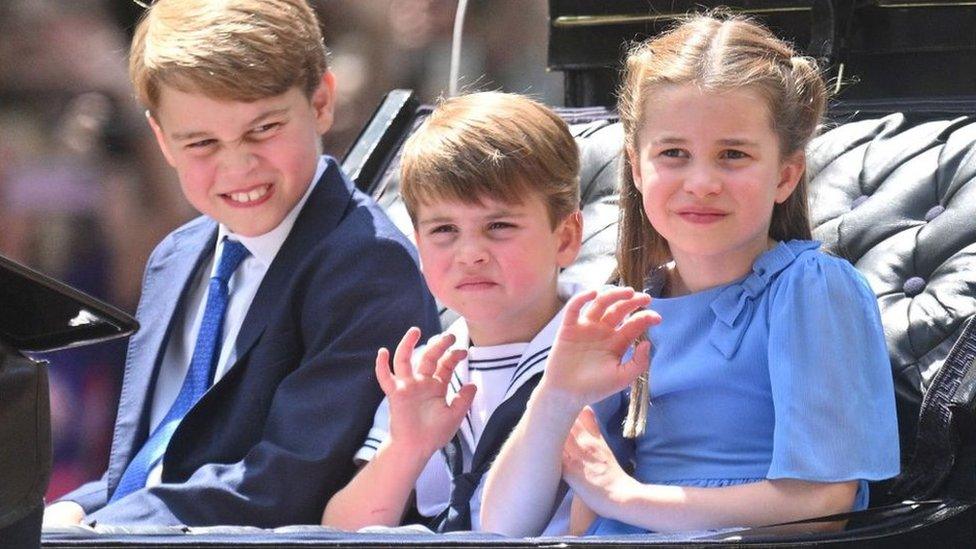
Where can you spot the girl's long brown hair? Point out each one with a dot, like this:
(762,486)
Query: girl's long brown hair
(715,52)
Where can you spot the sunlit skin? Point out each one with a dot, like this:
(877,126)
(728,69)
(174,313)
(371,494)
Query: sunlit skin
(709,169)
(496,264)
(244,164)
(263,152)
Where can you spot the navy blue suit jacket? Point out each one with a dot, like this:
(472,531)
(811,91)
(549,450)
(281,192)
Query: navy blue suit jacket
(273,439)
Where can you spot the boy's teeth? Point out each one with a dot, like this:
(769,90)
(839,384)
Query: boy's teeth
(251,196)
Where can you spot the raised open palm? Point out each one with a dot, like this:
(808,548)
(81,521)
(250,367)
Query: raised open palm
(419,413)
(597,329)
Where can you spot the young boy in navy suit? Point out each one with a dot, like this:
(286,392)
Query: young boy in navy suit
(490,181)
(249,386)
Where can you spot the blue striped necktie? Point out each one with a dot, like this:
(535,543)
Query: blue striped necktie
(197,380)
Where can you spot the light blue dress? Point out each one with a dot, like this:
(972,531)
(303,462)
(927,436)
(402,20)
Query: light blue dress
(781,374)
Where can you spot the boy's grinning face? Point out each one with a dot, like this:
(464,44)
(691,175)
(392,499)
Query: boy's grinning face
(245,165)
(709,170)
(496,264)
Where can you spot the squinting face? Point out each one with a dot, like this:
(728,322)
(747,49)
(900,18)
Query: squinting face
(496,264)
(245,165)
(709,170)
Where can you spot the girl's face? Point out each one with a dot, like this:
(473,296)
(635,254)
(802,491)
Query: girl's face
(709,170)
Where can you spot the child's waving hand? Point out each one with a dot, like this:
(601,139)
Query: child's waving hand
(419,413)
(598,328)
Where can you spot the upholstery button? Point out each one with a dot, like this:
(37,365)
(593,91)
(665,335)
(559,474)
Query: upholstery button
(913,286)
(858,201)
(934,212)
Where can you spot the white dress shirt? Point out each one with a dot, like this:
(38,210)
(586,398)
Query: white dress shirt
(242,287)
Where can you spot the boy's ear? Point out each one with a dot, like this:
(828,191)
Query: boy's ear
(569,234)
(634,162)
(323,101)
(160,138)
(791,170)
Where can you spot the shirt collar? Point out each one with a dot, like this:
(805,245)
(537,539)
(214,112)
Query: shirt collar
(265,247)
(532,361)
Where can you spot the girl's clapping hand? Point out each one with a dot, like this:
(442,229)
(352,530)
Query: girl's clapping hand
(597,329)
(419,414)
(591,469)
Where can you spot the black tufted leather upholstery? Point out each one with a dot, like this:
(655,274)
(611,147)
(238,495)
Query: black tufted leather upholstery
(899,201)
(896,198)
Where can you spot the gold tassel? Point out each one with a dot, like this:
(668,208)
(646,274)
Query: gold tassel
(636,421)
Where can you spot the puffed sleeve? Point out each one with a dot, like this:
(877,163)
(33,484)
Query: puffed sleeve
(830,375)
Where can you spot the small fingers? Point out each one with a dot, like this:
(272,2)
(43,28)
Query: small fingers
(462,401)
(636,366)
(588,422)
(585,430)
(571,445)
(447,363)
(568,460)
(433,353)
(605,299)
(617,312)
(575,305)
(633,327)
(383,374)
(404,353)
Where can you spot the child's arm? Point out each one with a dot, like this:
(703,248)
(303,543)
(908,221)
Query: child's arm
(581,517)
(583,367)
(421,422)
(595,476)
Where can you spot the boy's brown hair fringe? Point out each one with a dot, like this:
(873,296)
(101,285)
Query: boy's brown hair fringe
(492,145)
(241,50)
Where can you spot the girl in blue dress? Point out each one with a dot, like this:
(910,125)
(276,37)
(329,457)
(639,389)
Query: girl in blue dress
(771,398)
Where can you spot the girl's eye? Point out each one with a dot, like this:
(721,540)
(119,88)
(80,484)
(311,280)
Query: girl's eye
(733,154)
(674,153)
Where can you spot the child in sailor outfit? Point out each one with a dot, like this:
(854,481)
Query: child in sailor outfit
(490,182)
(498,372)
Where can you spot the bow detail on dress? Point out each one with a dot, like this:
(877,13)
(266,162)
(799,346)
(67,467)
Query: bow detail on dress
(735,305)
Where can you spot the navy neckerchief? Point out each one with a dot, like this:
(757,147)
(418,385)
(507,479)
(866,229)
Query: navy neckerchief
(457,515)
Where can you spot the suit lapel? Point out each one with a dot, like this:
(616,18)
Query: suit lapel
(166,284)
(325,207)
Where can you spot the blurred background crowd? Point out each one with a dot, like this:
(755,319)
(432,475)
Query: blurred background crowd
(85,194)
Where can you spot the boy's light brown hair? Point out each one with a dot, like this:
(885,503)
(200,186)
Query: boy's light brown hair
(236,50)
(492,145)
